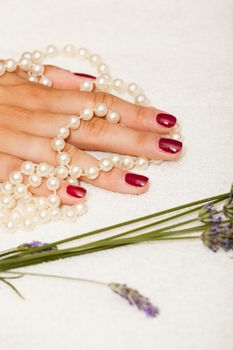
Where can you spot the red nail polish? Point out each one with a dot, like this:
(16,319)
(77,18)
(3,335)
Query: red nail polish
(170,145)
(136,179)
(76,191)
(166,120)
(83,75)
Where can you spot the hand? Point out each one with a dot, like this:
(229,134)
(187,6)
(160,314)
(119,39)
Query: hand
(30,115)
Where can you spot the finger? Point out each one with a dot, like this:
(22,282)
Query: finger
(68,194)
(96,134)
(38,149)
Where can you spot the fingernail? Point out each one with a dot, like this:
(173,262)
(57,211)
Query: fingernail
(136,179)
(166,120)
(170,145)
(83,75)
(76,191)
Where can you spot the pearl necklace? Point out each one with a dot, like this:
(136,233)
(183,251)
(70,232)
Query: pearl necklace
(18,207)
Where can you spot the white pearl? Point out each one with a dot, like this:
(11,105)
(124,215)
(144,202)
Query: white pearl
(63,132)
(7,188)
(43,169)
(8,201)
(25,64)
(113,117)
(69,214)
(140,99)
(58,144)
(133,89)
(92,172)
(29,223)
(116,160)
(118,85)
(15,215)
(86,113)
(69,50)
(63,158)
(27,55)
(28,168)
(95,59)
(10,65)
(101,109)
(75,171)
(37,56)
(106,76)
(44,215)
(27,197)
(51,51)
(86,85)
(2,69)
(16,177)
(20,190)
(37,69)
(10,225)
(74,122)
(30,209)
(101,83)
(45,81)
(103,68)
(52,170)
(83,53)
(54,200)
(80,208)
(55,213)
(33,79)
(106,164)
(40,202)
(127,163)
(53,183)
(34,180)
(142,163)
(62,172)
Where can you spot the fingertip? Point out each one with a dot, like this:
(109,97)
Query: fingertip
(71,194)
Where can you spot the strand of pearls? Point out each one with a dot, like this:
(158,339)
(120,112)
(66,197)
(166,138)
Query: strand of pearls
(18,207)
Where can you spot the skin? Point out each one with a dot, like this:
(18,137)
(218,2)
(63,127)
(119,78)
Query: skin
(30,115)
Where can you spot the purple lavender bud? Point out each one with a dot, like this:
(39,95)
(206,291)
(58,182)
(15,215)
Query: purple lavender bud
(135,298)
(36,244)
(219,236)
(208,214)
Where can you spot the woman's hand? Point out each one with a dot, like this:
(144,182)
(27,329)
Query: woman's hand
(30,115)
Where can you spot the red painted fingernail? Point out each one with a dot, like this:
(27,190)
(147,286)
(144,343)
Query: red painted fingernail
(76,191)
(166,120)
(136,179)
(83,75)
(170,145)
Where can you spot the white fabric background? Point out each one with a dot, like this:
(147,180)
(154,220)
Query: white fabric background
(181,52)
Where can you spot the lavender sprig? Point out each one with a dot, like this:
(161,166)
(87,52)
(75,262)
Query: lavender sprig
(36,244)
(135,298)
(209,214)
(228,206)
(219,236)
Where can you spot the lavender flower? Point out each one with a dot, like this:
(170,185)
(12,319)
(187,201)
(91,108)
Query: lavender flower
(219,236)
(228,206)
(36,244)
(208,214)
(135,298)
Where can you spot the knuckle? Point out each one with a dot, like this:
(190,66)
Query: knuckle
(103,97)
(140,114)
(74,152)
(94,129)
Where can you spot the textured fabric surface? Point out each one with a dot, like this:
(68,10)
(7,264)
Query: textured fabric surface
(181,53)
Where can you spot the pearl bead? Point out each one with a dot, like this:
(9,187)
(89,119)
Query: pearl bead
(83,53)
(33,79)
(27,168)
(75,171)
(15,216)
(140,99)
(27,197)
(30,209)
(29,223)
(45,81)
(101,109)
(43,169)
(53,183)
(34,180)
(16,177)
(80,208)
(10,65)
(118,85)
(63,158)
(95,59)
(58,144)
(55,213)
(69,214)
(27,55)
(106,76)
(41,202)
(116,160)
(106,164)
(62,172)
(92,172)
(74,122)
(133,89)
(37,56)
(25,64)
(69,50)
(2,69)
(113,117)
(37,69)
(10,225)
(20,190)
(8,201)
(103,68)
(86,85)
(127,163)
(101,83)
(86,113)
(51,51)
(44,215)
(142,163)
(7,188)
(63,132)
(54,200)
